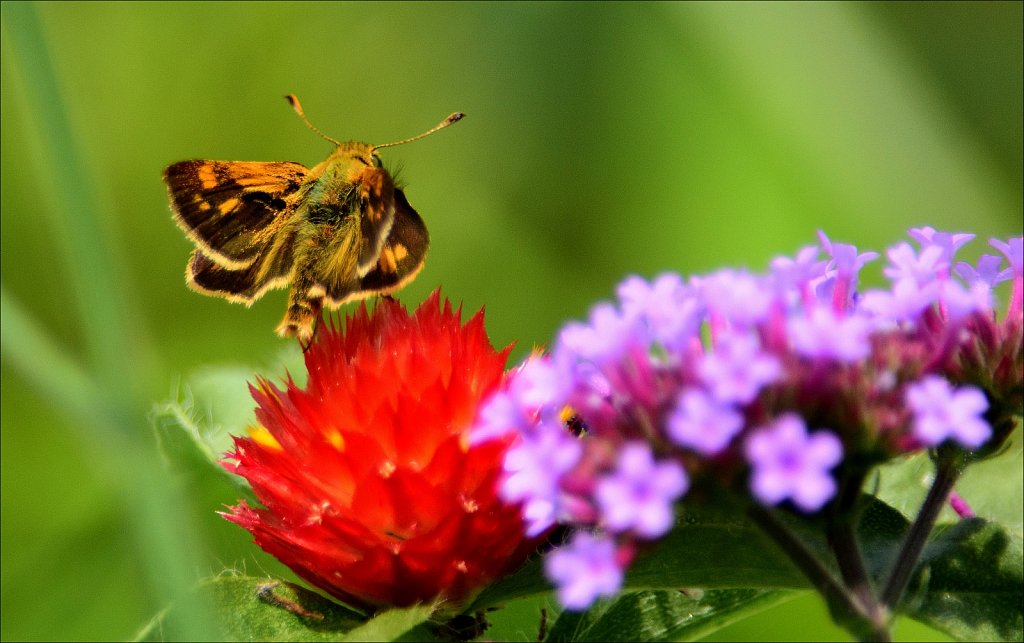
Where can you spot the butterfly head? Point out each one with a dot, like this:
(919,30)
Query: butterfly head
(358,153)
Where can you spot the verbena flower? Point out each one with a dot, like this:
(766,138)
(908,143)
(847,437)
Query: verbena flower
(638,494)
(370,488)
(702,423)
(789,463)
(737,369)
(941,413)
(778,386)
(585,569)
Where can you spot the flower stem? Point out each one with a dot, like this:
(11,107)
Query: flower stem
(842,539)
(846,609)
(946,474)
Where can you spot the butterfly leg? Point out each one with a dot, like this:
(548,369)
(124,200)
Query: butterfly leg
(305,305)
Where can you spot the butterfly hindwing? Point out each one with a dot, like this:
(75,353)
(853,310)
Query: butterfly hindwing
(233,209)
(272,269)
(401,256)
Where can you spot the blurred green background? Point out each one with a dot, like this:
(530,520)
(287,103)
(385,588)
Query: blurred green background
(601,140)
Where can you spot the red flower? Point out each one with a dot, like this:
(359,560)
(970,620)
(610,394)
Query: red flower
(372,492)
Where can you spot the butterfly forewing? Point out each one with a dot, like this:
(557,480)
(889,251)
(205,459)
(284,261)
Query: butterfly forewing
(376,216)
(232,210)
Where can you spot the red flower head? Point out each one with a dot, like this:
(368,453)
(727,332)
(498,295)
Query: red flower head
(371,489)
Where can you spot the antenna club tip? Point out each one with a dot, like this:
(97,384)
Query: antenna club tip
(455,117)
(292,99)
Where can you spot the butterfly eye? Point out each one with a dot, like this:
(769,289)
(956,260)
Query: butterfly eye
(372,160)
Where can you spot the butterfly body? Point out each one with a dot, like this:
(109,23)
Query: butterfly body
(338,232)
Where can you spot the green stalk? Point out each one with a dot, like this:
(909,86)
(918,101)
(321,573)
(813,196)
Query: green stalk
(843,518)
(947,472)
(103,398)
(846,609)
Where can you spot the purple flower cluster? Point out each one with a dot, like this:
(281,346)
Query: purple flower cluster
(768,384)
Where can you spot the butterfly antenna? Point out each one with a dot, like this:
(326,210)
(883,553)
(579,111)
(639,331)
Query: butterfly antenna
(452,118)
(293,100)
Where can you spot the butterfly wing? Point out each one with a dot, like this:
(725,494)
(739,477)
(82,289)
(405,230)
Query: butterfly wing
(233,210)
(274,268)
(401,257)
(376,216)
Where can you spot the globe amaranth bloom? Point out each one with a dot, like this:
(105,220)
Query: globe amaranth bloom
(370,488)
(779,387)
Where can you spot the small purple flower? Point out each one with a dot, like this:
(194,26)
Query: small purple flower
(584,570)
(905,302)
(499,415)
(634,292)
(986,273)
(942,412)
(959,302)
(792,273)
(540,513)
(824,335)
(790,464)
(737,369)
(670,310)
(736,296)
(543,383)
(604,339)
(534,467)
(845,259)
(702,423)
(638,495)
(1013,250)
(592,389)
(906,264)
(840,282)
(947,242)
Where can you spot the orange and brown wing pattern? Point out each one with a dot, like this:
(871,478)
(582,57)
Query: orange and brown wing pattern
(231,209)
(376,215)
(401,257)
(272,269)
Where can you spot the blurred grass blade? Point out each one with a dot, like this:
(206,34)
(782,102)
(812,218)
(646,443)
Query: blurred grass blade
(74,205)
(104,399)
(42,362)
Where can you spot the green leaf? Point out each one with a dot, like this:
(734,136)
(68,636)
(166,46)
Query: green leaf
(670,615)
(709,549)
(195,431)
(195,428)
(526,582)
(255,609)
(409,623)
(713,549)
(903,484)
(969,583)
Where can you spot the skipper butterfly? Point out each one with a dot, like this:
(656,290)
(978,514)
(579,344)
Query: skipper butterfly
(338,232)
